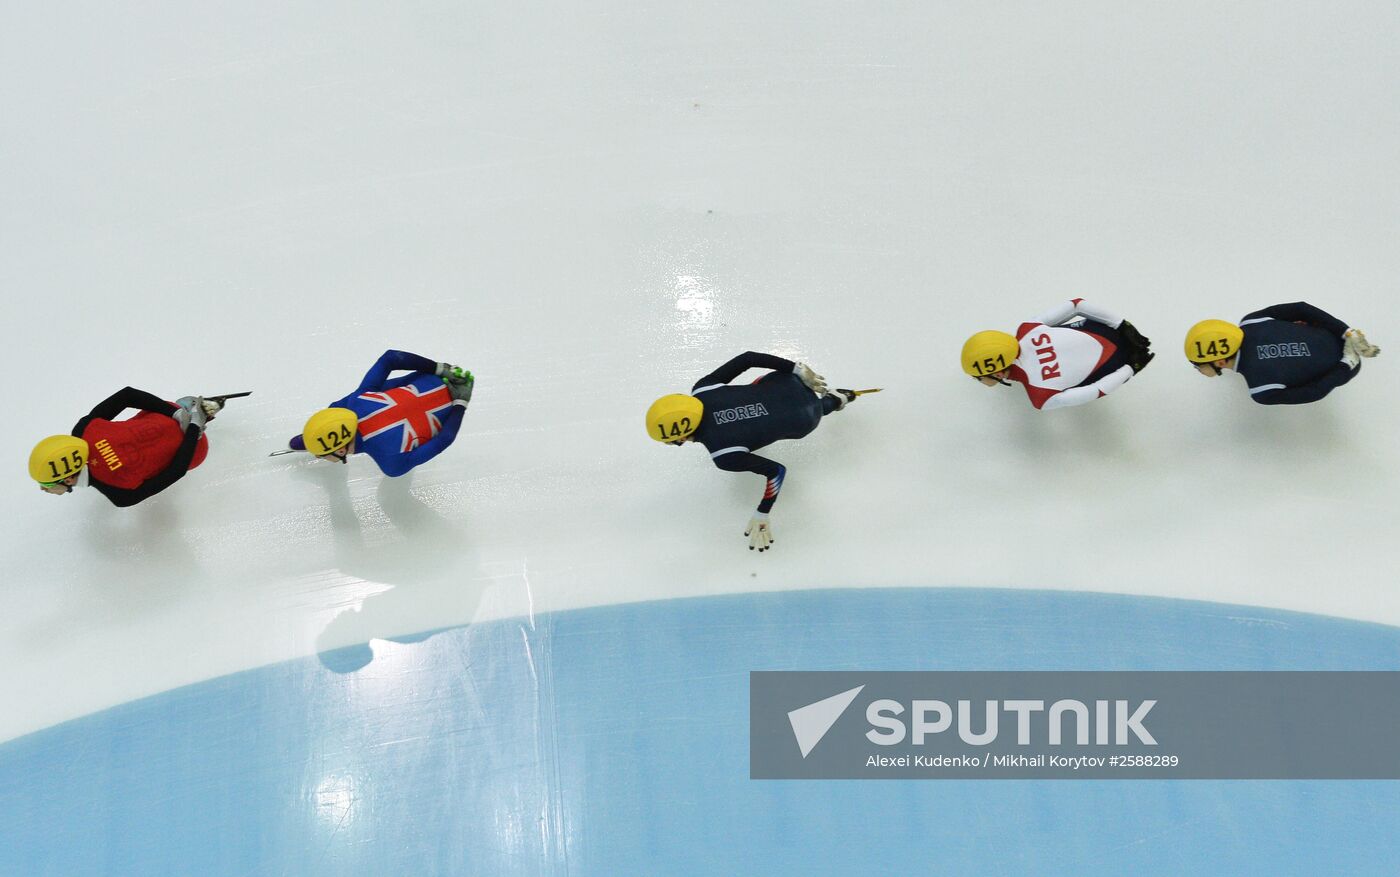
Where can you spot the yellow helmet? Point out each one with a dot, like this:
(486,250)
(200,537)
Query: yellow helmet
(988,352)
(1210,340)
(674,417)
(57,457)
(329,430)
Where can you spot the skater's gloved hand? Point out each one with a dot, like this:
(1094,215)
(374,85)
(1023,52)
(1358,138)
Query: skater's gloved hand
(1139,359)
(1355,340)
(459,383)
(815,382)
(461,392)
(760,532)
(191,410)
(1134,339)
(1351,357)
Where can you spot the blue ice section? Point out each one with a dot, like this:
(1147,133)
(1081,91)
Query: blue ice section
(614,741)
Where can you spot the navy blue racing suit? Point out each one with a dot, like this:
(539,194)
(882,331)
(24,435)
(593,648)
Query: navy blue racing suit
(1292,354)
(740,419)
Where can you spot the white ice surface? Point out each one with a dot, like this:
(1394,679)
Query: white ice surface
(592,204)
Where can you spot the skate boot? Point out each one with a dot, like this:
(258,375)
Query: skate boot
(843,398)
(214,404)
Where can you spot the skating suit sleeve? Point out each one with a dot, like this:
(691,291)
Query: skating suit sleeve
(390,362)
(746,461)
(1299,312)
(738,365)
(126,397)
(1097,390)
(395,465)
(179,465)
(1076,308)
(1336,376)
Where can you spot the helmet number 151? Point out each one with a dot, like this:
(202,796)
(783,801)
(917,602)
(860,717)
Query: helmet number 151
(990,365)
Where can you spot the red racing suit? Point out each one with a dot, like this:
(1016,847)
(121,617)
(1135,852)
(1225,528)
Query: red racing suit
(134,459)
